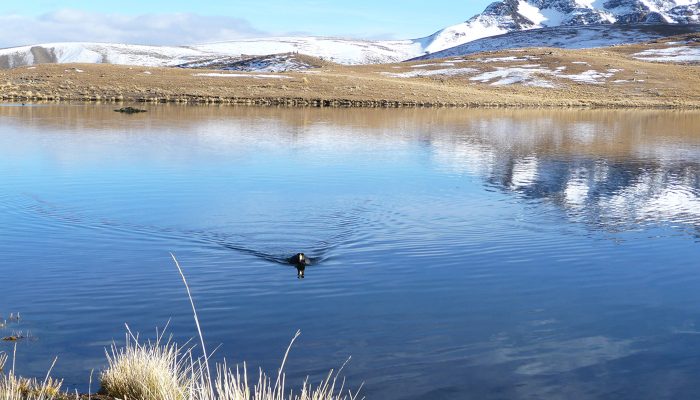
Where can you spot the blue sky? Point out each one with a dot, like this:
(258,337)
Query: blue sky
(159,21)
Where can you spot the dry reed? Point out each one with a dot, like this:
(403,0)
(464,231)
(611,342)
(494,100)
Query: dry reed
(13,387)
(163,371)
(157,370)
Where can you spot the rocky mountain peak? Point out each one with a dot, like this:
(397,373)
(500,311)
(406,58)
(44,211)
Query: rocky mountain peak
(514,15)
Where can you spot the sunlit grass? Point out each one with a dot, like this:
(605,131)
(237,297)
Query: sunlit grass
(157,370)
(13,387)
(162,370)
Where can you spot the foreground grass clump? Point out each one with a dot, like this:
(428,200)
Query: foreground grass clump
(161,370)
(150,371)
(17,388)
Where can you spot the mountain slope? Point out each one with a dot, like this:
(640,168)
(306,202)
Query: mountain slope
(98,53)
(343,51)
(568,37)
(516,15)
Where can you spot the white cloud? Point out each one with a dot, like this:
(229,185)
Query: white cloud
(154,29)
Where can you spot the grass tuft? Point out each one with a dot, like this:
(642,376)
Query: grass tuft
(158,370)
(16,388)
(161,370)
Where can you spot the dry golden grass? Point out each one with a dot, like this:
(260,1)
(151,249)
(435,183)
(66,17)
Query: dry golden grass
(13,387)
(157,370)
(646,84)
(161,370)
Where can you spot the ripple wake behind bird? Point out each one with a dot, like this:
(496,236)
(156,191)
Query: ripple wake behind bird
(273,241)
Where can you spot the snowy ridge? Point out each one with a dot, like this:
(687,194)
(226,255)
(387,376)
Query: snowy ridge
(517,15)
(98,53)
(568,37)
(343,51)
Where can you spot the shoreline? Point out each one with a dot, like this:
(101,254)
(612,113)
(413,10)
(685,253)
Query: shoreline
(347,104)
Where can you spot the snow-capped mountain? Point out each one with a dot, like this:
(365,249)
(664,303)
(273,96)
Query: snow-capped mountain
(499,18)
(516,15)
(343,51)
(567,37)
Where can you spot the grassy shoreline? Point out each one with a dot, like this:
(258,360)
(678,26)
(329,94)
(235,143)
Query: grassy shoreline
(344,103)
(341,103)
(606,78)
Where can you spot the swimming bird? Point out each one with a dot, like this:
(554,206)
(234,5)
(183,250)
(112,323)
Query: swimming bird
(300,261)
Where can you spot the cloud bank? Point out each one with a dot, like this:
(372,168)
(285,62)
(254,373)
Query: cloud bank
(153,29)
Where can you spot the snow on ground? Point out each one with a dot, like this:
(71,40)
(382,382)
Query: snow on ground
(591,76)
(256,76)
(432,72)
(671,54)
(526,74)
(442,64)
(506,59)
(509,76)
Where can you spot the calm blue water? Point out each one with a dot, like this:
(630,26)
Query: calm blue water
(460,254)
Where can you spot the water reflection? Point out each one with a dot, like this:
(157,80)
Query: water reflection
(609,175)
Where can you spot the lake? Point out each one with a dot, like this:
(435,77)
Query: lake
(483,254)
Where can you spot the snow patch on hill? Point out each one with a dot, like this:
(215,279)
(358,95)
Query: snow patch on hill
(431,72)
(272,63)
(481,70)
(255,76)
(676,54)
